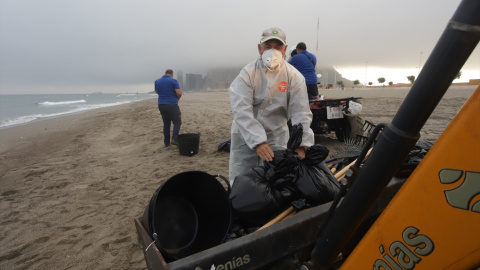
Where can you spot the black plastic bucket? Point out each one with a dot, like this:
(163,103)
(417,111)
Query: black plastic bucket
(189,213)
(188,144)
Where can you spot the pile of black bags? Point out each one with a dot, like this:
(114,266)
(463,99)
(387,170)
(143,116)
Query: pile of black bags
(266,191)
(413,158)
(419,151)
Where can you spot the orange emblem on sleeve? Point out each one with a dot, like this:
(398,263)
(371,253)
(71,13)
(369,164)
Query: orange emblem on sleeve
(283,86)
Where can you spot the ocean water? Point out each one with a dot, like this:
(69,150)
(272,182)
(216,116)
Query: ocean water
(22,109)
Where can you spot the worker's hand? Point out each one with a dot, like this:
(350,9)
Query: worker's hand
(264,151)
(301,152)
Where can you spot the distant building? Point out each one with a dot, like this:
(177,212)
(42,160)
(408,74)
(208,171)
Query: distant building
(221,78)
(180,78)
(194,82)
(216,78)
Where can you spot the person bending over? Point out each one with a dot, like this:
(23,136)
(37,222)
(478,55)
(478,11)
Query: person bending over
(264,96)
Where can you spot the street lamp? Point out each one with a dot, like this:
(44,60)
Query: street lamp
(366,63)
(420,64)
(335,81)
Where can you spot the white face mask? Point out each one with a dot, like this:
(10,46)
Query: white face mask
(271,58)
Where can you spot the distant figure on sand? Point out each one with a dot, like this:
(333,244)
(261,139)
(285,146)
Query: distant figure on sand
(169,93)
(264,96)
(305,62)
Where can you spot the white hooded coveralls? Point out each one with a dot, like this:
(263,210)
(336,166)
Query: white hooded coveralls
(262,101)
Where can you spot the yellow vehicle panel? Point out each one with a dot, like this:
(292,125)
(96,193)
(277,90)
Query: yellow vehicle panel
(434,220)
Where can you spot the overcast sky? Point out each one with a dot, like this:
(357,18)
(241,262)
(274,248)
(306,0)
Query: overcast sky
(83,46)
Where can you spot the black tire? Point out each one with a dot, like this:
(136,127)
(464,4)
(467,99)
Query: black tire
(349,127)
(356,126)
(342,129)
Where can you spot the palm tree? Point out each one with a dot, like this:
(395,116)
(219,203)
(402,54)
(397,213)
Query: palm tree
(458,75)
(411,78)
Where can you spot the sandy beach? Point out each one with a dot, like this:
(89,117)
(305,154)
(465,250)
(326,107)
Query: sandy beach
(71,186)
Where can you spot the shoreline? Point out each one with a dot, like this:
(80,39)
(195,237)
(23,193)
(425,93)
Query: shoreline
(48,125)
(63,115)
(70,187)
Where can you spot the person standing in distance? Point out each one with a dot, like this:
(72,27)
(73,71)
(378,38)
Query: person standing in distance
(169,93)
(264,96)
(305,62)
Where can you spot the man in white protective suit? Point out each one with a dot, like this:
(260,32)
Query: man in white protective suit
(264,96)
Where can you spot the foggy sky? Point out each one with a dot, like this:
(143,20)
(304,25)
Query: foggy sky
(82,46)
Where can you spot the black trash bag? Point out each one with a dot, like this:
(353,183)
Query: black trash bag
(255,200)
(342,159)
(313,179)
(238,231)
(264,192)
(413,158)
(283,166)
(224,145)
(419,151)
(316,183)
(315,154)
(285,162)
(301,204)
(296,134)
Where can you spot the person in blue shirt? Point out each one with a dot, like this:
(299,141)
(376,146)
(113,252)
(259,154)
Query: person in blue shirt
(305,62)
(169,94)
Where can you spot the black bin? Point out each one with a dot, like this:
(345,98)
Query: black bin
(188,144)
(189,213)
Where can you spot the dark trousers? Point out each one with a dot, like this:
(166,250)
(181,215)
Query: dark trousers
(170,113)
(312,90)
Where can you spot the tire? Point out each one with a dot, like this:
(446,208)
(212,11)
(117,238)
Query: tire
(342,129)
(356,126)
(349,127)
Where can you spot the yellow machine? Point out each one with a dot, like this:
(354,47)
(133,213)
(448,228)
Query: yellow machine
(434,220)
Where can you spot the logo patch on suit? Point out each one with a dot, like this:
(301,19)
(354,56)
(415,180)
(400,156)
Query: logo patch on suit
(283,86)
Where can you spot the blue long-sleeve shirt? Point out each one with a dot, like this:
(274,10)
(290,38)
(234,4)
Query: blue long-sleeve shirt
(305,63)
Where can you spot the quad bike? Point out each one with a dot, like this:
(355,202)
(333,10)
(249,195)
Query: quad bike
(429,220)
(335,115)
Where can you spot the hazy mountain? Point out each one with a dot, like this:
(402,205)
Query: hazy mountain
(221,78)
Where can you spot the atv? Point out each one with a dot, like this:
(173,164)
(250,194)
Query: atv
(339,115)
